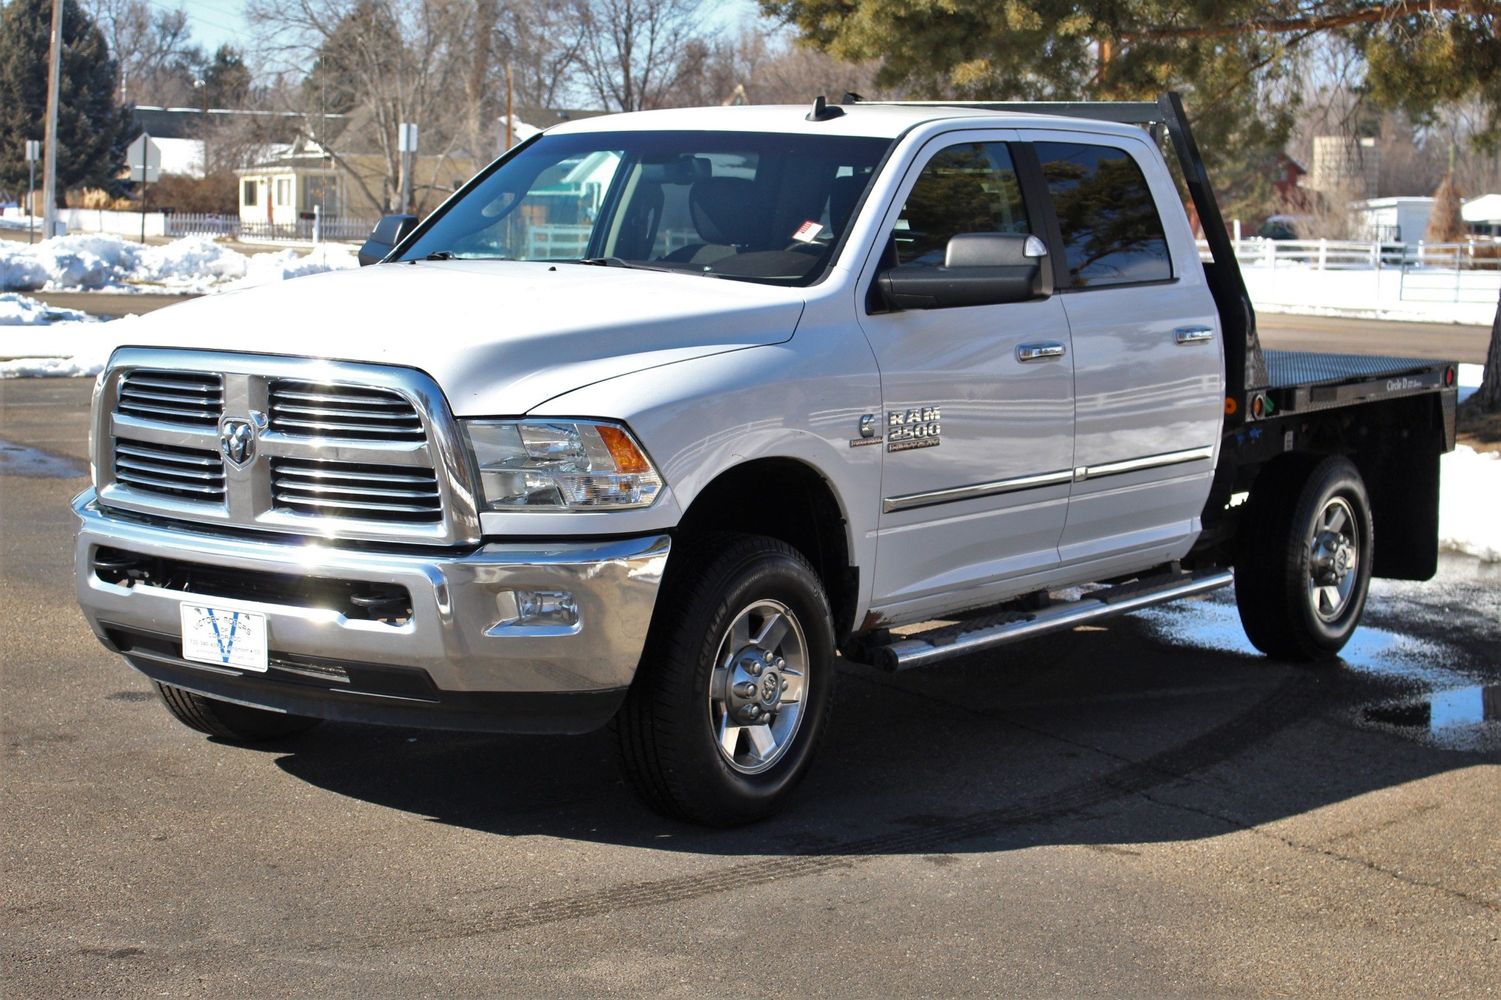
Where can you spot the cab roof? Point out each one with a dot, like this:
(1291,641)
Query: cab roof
(870,120)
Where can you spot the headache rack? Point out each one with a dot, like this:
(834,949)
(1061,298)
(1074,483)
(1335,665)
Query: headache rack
(1245,364)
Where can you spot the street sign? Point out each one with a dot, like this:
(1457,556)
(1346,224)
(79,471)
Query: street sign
(144,158)
(33,150)
(406,138)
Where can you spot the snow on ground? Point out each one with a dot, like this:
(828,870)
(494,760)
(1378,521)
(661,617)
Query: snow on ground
(1466,504)
(69,348)
(193,264)
(22,310)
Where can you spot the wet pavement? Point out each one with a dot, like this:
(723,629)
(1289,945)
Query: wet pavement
(1143,807)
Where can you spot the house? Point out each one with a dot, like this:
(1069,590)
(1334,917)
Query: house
(1391,220)
(1483,216)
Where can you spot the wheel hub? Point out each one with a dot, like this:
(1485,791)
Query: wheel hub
(755,686)
(1333,559)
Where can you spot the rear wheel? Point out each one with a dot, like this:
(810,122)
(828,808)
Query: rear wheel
(735,685)
(229,721)
(1305,562)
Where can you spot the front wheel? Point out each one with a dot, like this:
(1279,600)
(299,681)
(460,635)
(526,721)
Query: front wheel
(1305,564)
(735,685)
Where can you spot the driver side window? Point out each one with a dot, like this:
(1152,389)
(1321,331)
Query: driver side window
(968,188)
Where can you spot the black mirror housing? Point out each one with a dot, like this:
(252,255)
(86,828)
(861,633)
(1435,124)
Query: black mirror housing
(388,232)
(979,269)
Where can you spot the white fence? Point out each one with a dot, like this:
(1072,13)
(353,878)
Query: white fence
(338,228)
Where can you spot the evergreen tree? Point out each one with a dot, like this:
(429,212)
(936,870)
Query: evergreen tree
(92,131)
(226,79)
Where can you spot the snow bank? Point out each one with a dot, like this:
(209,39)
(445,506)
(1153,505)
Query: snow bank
(22,310)
(1466,504)
(69,348)
(97,262)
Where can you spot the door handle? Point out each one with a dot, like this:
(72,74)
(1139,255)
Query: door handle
(1039,352)
(1194,334)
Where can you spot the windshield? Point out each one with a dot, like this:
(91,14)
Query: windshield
(761,207)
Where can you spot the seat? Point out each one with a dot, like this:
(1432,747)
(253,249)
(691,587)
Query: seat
(724,214)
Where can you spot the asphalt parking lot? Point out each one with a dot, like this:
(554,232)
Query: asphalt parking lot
(1143,809)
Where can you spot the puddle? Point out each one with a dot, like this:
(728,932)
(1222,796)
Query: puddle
(1443,706)
(1467,718)
(19,460)
(1215,625)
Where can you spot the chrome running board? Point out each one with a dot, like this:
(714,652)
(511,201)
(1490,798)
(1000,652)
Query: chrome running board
(906,652)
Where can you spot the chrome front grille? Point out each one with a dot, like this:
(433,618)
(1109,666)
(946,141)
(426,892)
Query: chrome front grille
(359,492)
(191,474)
(172,397)
(360,412)
(239,441)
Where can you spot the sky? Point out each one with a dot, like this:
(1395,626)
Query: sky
(220,22)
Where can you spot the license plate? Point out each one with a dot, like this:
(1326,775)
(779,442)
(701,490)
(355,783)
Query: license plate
(225,637)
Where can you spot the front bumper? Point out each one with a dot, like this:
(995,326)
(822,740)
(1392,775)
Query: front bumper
(453,661)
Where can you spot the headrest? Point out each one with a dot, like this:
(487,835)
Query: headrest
(724,210)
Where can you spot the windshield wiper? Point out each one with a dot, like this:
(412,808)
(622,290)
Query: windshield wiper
(605,262)
(441,255)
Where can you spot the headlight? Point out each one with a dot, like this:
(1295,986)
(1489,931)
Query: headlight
(560,465)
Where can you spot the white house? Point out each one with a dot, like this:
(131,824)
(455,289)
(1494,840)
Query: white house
(1391,220)
(1483,215)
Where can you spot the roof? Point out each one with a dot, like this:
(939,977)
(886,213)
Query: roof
(1394,201)
(1486,208)
(874,120)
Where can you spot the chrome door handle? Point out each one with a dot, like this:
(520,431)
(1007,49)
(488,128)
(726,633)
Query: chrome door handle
(1039,352)
(1194,334)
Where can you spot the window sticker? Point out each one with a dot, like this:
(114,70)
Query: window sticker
(807,232)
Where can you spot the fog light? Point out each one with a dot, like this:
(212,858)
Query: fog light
(537,607)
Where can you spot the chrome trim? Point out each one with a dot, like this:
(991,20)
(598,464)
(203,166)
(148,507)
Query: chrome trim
(1038,352)
(910,501)
(1194,334)
(1146,462)
(454,632)
(250,498)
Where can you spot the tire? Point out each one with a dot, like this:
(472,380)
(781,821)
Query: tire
(709,732)
(1305,559)
(229,721)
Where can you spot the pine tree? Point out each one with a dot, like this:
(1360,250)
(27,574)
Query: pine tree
(92,131)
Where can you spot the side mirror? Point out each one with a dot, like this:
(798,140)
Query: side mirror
(388,232)
(979,269)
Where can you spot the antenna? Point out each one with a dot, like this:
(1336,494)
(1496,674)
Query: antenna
(823,111)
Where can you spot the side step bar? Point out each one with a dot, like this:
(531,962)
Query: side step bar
(973,636)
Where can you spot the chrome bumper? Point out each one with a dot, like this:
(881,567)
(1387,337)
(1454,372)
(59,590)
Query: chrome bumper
(457,634)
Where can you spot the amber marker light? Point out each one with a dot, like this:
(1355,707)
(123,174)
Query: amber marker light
(623,450)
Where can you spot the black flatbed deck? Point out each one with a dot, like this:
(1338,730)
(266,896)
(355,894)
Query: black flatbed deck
(1304,381)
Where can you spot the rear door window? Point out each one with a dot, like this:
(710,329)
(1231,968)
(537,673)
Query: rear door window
(1111,230)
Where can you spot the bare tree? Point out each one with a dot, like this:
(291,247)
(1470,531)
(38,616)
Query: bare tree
(403,62)
(154,49)
(636,54)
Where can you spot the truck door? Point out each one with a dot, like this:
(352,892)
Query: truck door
(977,427)
(1148,363)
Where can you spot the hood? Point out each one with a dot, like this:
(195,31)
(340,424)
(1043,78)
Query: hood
(499,337)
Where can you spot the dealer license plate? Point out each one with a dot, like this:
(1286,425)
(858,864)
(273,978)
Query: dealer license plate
(225,637)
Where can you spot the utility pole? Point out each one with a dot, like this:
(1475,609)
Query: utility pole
(510,112)
(49,165)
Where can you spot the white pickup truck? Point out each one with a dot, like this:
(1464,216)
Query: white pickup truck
(663,412)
